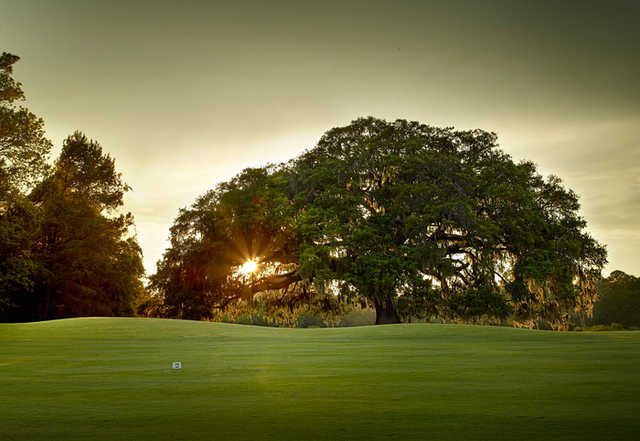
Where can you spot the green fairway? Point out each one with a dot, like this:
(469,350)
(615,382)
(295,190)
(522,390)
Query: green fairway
(111,379)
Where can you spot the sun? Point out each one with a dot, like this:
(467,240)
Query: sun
(248,267)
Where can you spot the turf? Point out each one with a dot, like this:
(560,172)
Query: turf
(111,379)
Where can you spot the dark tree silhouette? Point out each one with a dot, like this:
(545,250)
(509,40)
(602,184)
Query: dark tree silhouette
(91,264)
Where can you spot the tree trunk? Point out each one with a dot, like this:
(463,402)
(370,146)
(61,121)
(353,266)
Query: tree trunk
(386,313)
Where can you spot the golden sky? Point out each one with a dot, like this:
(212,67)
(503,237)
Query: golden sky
(185,94)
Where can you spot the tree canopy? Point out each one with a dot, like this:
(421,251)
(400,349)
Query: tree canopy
(412,219)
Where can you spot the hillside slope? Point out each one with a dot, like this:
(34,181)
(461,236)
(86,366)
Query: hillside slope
(108,379)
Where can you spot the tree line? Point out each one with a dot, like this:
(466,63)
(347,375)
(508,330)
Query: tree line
(411,220)
(65,244)
(619,301)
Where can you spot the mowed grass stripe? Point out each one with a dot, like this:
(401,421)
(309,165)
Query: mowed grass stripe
(106,379)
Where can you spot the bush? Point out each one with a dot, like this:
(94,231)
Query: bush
(358,317)
(310,321)
(611,327)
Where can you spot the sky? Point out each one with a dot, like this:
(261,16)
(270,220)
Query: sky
(185,94)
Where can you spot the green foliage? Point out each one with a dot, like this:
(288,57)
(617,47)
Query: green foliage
(612,327)
(23,154)
(414,220)
(23,144)
(19,269)
(619,301)
(476,302)
(310,321)
(245,218)
(83,172)
(357,317)
(264,312)
(401,202)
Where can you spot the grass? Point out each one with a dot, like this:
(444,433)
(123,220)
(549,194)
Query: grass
(110,379)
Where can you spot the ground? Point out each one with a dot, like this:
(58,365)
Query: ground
(111,379)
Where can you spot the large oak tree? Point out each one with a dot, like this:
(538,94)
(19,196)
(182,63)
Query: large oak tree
(413,219)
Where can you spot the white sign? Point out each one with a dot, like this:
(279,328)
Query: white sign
(176,365)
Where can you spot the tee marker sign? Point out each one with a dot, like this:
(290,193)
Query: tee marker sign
(176,365)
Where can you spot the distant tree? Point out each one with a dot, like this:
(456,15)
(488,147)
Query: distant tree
(619,300)
(409,218)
